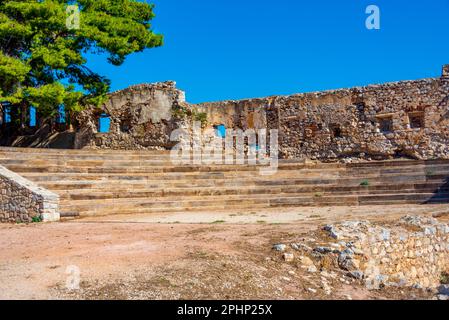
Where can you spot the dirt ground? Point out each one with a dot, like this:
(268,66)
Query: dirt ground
(215,257)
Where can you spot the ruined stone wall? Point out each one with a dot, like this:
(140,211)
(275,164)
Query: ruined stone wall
(21,200)
(141,118)
(383,121)
(403,119)
(245,114)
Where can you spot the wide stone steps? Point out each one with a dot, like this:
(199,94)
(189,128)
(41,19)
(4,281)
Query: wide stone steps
(106,161)
(117,206)
(82,152)
(204,192)
(187,172)
(140,164)
(139,182)
(101,182)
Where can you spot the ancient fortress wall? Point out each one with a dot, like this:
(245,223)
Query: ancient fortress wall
(409,118)
(403,119)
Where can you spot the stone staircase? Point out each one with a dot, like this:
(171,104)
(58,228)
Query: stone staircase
(99,182)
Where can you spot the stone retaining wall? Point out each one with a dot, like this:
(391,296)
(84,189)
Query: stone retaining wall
(414,252)
(411,252)
(22,200)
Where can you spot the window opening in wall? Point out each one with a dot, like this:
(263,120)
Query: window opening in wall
(335,130)
(104,123)
(416,120)
(125,125)
(32,117)
(386,124)
(220,131)
(7,114)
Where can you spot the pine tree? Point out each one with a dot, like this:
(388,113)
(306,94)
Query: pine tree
(43,48)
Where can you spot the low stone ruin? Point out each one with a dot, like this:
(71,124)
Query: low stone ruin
(412,252)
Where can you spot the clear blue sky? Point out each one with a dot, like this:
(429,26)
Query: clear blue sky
(234,49)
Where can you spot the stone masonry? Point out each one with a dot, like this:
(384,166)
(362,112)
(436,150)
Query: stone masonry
(141,118)
(22,200)
(411,252)
(403,119)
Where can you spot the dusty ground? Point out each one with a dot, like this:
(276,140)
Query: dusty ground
(182,256)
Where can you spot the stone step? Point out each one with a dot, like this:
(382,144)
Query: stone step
(204,192)
(142,169)
(155,175)
(396,170)
(228,170)
(116,207)
(380,199)
(166,209)
(143,182)
(106,187)
(187,176)
(68,162)
(123,167)
(392,163)
(110,159)
(83,163)
(169,171)
(235,199)
(101,182)
(105,152)
(117,187)
(127,154)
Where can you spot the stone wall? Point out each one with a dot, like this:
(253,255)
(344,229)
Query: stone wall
(413,251)
(384,121)
(141,118)
(403,119)
(22,200)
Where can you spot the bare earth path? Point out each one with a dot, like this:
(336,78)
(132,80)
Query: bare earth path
(174,256)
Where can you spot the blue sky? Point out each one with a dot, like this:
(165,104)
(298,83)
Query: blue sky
(234,49)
